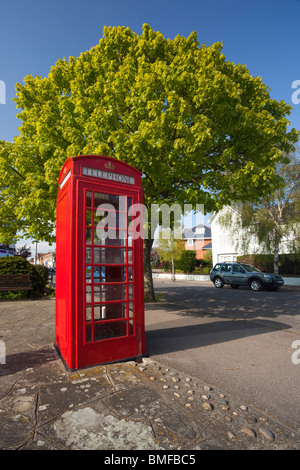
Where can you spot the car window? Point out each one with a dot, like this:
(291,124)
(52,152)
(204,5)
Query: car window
(226,268)
(238,269)
(250,268)
(217,267)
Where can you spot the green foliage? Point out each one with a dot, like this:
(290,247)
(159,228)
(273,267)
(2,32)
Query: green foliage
(200,128)
(207,260)
(289,264)
(40,276)
(272,221)
(14,265)
(170,249)
(206,270)
(18,265)
(187,262)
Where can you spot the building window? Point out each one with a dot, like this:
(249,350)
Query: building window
(190,242)
(223,258)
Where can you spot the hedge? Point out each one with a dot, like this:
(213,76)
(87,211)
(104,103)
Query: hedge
(187,262)
(289,264)
(18,265)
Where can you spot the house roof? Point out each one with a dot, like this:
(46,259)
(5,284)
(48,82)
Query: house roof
(196,232)
(208,246)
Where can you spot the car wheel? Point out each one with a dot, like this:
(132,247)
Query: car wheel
(218,282)
(256,285)
(235,286)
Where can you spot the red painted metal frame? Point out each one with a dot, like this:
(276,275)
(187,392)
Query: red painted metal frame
(70,318)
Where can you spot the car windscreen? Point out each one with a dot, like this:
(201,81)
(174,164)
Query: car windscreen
(250,268)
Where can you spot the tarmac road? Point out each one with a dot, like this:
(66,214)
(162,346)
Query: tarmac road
(238,340)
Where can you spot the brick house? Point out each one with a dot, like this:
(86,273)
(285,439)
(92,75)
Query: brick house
(198,239)
(47,259)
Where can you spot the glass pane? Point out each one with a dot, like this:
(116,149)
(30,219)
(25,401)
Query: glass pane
(115,274)
(97,255)
(88,219)
(109,274)
(97,274)
(88,274)
(109,218)
(109,256)
(88,313)
(99,312)
(88,199)
(100,198)
(88,333)
(97,294)
(131,327)
(110,237)
(131,309)
(130,291)
(109,330)
(107,292)
(88,255)
(88,236)
(129,202)
(130,274)
(116,310)
(129,256)
(88,294)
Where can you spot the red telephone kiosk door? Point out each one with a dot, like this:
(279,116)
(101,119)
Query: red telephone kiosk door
(99,263)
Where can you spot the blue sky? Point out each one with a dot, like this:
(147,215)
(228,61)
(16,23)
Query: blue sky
(263,34)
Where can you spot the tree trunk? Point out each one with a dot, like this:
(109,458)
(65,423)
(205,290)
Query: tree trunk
(148,281)
(173,271)
(276,259)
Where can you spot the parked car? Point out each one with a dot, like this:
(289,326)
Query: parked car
(242,274)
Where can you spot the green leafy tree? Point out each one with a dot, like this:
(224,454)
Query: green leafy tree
(187,262)
(200,128)
(171,250)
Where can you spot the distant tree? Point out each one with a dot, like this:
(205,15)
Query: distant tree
(170,250)
(273,219)
(23,251)
(207,259)
(187,262)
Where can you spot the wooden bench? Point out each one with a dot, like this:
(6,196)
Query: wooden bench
(15,282)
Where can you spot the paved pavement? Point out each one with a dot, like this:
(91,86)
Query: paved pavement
(125,406)
(239,340)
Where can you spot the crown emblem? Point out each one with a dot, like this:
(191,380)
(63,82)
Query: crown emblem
(109,166)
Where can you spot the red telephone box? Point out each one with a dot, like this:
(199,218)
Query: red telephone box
(99,263)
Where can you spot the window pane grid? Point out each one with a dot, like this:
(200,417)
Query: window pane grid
(109,295)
